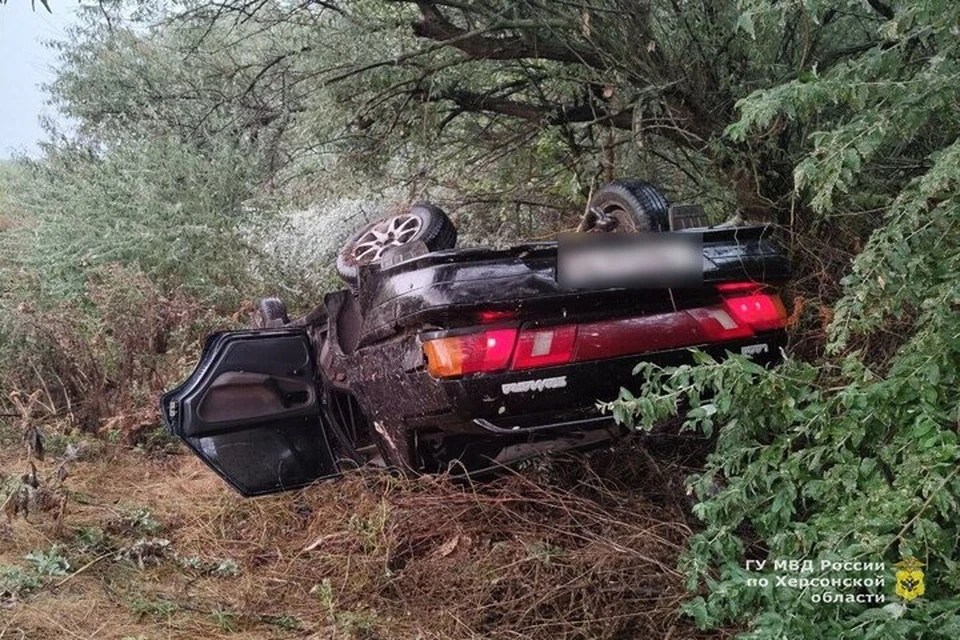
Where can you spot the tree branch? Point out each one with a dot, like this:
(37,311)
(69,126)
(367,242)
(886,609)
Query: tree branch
(436,26)
(883,9)
(559,115)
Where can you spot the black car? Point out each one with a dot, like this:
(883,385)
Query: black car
(437,359)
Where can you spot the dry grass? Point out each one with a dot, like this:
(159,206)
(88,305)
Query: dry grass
(145,542)
(102,363)
(542,554)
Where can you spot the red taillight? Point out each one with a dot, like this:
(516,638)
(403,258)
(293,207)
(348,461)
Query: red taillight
(743,312)
(759,311)
(459,355)
(625,336)
(738,287)
(545,347)
(488,317)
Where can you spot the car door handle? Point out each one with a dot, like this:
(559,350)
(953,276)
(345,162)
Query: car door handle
(288,398)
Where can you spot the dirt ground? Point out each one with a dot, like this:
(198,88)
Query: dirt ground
(146,543)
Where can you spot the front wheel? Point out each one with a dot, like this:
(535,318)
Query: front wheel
(423,222)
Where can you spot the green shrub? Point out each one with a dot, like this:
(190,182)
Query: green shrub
(158,205)
(821,464)
(853,457)
(48,563)
(16,582)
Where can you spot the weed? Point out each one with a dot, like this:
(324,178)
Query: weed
(94,539)
(544,552)
(48,563)
(285,621)
(227,568)
(156,440)
(16,582)
(361,623)
(55,443)
(81,498)
(324,593)
(10,435)
(225,620)
(146,551)
(372,526)
(157,607)
(222,568)
(195,563)
(143,520)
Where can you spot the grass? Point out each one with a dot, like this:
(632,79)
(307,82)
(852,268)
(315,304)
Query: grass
(556,551)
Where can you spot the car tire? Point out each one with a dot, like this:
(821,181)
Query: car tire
(271,312)
(423,222)
(636,205)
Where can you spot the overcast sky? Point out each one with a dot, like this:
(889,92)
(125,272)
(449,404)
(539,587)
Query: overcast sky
(25,64)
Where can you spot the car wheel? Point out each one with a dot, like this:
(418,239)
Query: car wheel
(271,312)
(423,222)
(633,204)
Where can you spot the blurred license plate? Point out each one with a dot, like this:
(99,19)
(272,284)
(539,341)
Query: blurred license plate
(630,260)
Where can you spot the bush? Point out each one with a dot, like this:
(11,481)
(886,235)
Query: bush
(159,205)
(853,457)
(108,355)
(821,464)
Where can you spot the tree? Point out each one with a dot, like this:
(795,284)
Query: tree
(854,456)
(33,4)
(487,82)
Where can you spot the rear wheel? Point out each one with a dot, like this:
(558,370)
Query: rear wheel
(423,222)
(633,205)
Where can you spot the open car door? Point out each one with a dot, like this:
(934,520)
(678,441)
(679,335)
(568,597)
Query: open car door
(251,411)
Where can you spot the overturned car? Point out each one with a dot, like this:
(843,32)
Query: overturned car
(440,359)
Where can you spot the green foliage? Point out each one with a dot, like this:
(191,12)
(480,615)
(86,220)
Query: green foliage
(908,273)
(225,620)
(854,457)
(829,463)
(43,565)
(871,120)
(221,568)
(142,519)
(170,211)
(48,563)
(285,621)
(156,607)
(15,582)
(94,540)
(361,622)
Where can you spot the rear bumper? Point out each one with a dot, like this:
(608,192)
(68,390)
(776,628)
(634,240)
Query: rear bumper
(554,398)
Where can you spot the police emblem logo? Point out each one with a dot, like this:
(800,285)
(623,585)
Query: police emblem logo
(909,579)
